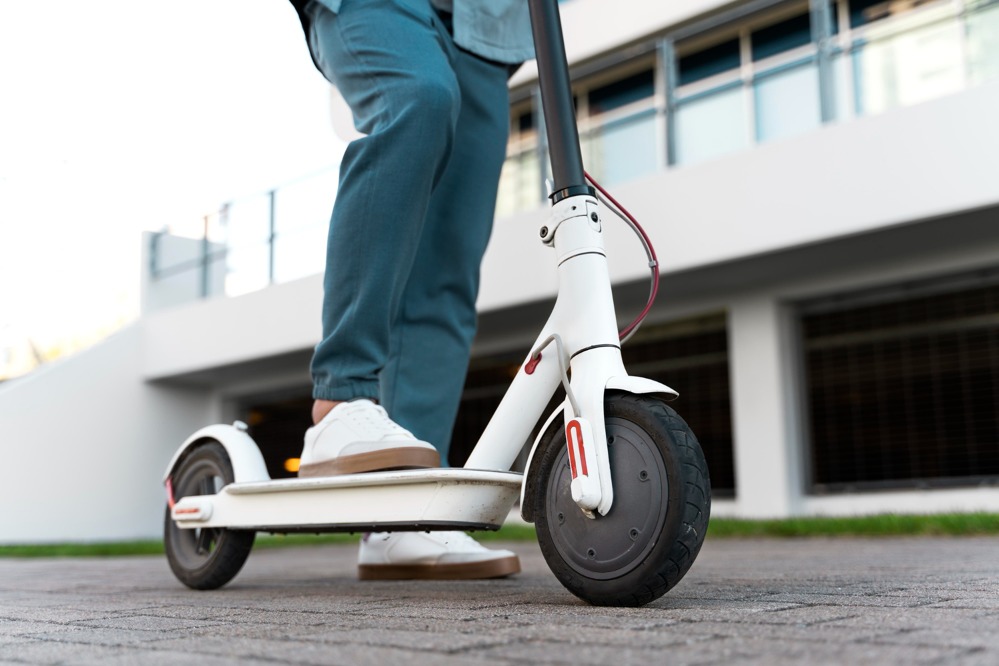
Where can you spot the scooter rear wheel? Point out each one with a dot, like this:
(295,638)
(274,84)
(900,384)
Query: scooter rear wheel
(654,530)
(204,558)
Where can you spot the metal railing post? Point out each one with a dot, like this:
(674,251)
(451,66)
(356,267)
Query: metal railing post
(205,261)
(822,33)
(271,196)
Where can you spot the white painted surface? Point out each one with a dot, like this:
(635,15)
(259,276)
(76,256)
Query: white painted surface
(224,331)
(84,444)
(765,445)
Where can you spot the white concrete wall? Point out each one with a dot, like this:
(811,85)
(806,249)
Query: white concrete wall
(84,443)
(225,331)
(873,173)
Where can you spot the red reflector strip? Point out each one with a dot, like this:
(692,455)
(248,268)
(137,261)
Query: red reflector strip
(184,512)
(572,451)
(574,440)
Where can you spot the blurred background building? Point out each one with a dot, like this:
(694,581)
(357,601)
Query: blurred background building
(821,181)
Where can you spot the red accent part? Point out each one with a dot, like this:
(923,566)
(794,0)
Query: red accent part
(573,443)
(183,512)
(169,489)
(572,452)
(655,268)
(532,364)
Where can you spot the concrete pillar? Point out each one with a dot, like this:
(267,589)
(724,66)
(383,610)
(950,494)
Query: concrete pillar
(765,408)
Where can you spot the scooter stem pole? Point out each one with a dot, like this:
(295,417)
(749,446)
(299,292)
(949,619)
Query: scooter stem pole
(556,100)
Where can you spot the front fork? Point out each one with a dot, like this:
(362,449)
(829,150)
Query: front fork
(585,326)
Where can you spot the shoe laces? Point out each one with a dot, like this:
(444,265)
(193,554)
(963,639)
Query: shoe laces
(375,420)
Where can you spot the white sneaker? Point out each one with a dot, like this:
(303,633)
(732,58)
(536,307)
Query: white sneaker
(358,436)
(431,555)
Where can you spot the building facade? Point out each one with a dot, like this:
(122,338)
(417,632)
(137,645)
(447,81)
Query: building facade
(821,182)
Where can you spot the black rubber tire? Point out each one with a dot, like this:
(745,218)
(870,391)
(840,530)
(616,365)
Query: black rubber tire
(204,559)
(644,545)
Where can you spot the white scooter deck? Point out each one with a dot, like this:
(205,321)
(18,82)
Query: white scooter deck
(422,499)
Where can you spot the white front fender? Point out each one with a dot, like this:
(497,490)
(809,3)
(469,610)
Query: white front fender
(524,509)
(639,385)
(247,463)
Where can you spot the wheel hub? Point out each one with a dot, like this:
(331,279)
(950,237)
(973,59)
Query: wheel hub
(610,546)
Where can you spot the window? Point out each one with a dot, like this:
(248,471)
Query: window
(520,180)
(784,36)
(772,93)
(911,59)
(759,79)
(622,92)
(863,12)
(618,132)
(619,135)
(714,60)
(983,36)
(710,126)
(903,389)
(787,102)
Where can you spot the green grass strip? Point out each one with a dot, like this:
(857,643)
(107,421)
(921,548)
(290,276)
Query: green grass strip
(949,524)
(108,549)
(963,524)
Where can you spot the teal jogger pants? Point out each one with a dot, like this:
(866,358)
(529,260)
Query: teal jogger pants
(413,211)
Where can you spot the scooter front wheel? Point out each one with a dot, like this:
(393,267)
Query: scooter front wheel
(204,558)
(654,530)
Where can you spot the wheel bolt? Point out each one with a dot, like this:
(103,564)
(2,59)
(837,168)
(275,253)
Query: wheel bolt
(643,476)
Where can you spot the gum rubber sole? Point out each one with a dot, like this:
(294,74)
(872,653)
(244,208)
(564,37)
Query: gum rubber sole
(496,568)
(403,457)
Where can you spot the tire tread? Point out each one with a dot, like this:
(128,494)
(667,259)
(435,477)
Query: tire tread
(655,578)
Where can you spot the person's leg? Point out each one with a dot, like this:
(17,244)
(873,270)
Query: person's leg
(421,385)
(391,65)
(405,96)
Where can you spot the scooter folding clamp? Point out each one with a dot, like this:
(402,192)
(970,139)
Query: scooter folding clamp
(567,209)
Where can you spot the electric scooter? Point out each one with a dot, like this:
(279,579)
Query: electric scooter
(615,483)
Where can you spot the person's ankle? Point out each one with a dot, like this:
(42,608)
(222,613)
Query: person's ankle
(320,408)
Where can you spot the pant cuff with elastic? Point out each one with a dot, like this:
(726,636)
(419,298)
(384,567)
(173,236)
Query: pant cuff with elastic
(346,391)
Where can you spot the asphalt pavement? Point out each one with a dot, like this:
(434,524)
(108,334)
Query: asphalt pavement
(773,601)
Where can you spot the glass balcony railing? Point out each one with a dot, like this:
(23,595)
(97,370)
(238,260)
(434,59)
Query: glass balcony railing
(921,54)
(625,148)
(247,244)
(773,93)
